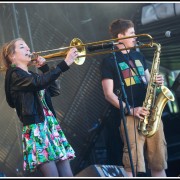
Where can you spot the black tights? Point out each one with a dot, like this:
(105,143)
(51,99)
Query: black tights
(59,169)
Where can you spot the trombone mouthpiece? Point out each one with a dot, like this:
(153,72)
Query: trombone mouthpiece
(33,56)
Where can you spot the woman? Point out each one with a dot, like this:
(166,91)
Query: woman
(44,144)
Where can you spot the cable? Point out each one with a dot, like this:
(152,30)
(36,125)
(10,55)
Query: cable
(132,99)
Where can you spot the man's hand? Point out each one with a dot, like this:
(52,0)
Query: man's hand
(159,79)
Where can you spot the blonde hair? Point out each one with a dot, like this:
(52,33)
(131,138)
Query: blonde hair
(6,50)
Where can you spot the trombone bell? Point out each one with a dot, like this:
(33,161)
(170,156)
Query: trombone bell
(81,51)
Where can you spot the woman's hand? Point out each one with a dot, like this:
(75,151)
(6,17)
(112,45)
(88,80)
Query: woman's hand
(71,56)
(40,61)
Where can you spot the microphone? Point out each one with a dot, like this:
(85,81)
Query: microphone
(102,46)
(172,34)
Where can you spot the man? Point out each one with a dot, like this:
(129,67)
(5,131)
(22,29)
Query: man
(135,76)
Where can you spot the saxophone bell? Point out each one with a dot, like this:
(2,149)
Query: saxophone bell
(150,124)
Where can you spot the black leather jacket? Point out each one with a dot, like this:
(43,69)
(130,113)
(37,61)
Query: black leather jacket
(21,89)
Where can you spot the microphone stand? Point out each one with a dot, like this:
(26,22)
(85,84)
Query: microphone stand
(120,94)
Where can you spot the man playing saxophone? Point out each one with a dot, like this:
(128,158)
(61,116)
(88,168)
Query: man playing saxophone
(135,76)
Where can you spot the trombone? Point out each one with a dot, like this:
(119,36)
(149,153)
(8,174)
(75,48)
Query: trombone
(82,48)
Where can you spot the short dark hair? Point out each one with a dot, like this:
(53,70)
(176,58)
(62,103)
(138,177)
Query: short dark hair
(119,26)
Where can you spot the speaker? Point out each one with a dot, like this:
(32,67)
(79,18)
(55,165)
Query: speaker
(102,171)
(157,11)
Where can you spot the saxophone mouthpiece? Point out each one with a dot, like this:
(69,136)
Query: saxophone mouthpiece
(138,43)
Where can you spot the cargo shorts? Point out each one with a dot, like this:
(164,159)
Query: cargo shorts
(152,150)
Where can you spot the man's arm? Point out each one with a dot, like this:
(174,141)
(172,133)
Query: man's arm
(147,75)
(110,96)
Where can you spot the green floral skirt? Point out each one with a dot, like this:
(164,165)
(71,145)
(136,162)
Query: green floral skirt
(44,142)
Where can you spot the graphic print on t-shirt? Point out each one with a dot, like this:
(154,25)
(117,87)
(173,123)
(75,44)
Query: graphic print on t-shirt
(130,75)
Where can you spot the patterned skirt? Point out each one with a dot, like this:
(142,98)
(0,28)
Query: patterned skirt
(44,142)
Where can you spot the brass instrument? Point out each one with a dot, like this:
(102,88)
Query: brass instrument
(76,42)
(82,52)
(149,125)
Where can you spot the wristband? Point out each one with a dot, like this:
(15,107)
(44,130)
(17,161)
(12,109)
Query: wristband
(126,110)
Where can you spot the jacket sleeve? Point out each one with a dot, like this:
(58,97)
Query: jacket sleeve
(54,87)
(21,80)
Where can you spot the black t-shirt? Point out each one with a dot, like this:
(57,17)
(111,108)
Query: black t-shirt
(132,68)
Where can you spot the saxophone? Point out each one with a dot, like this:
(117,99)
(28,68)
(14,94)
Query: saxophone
(155,104)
